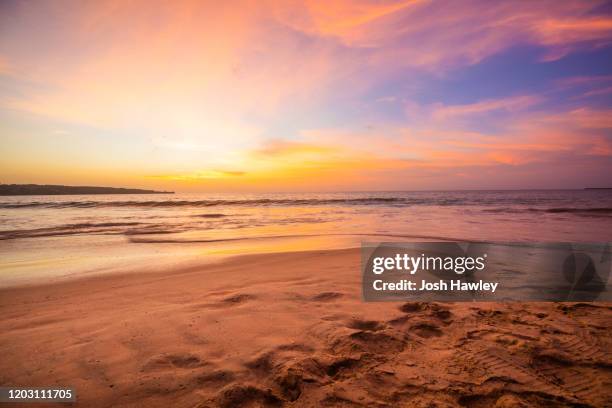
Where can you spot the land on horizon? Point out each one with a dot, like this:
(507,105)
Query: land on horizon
(49,189)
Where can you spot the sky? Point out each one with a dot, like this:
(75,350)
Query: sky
(250,96)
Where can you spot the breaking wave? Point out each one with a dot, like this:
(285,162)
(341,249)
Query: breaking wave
(212,203)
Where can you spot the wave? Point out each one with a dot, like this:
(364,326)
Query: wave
(596,210)
(68,229)
(142,240)
(508,206)
(212,203)
(144,228)
(586,211)
(389,201)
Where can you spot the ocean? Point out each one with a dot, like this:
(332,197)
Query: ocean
(50,237)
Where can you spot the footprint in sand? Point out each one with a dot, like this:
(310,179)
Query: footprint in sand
(299,347)
(240,395)
(230,301)
(327,296)
(341,364)
(216,379)
(366,341)
(238,299)
(365,325)
(412,307)
(164,361)
(261,363)
(444,315)
(426,330)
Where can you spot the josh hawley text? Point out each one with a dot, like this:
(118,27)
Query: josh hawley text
(410,264)
(452,285)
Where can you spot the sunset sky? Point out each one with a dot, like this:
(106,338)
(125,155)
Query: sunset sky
(306,96)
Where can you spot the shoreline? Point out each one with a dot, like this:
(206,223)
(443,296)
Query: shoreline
(138,272)
(291,329)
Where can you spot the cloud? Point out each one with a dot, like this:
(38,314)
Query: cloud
(583,80)
(111,64)
(580,118)
(598,92)
(284,148)
(5,68)
(566,34)
(510,104)
(200,175)
(589,86)
(297,165)
(430,36)
(541,137)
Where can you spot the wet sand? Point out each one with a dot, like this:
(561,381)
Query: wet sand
(291,330)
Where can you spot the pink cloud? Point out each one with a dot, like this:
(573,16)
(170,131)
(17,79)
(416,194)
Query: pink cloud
(437,37)
(510,104)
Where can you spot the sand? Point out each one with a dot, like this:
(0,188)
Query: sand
(291,330)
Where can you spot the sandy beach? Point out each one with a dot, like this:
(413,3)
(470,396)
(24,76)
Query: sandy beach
(291,329)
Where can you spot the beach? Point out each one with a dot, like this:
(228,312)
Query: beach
(291,329)
(355,203)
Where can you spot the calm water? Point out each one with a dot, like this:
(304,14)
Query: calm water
(51,236)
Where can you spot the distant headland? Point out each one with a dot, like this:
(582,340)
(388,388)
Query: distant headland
(39,189)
